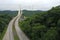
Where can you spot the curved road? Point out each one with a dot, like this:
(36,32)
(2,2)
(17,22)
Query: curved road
(9,33)
(20,33)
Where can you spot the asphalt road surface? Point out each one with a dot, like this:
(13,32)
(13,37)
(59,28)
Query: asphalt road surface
(20,33)
(9,33)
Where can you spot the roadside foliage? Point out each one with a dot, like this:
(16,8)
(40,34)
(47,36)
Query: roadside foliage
(43,26)
(5,17)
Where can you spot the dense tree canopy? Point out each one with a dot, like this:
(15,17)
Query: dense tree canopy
(43,26)
(5,17)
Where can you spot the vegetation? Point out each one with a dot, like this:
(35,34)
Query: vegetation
(43,26)
(5,17)
(14,32)
(29,13)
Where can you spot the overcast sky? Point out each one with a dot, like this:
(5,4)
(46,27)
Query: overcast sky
(28,4)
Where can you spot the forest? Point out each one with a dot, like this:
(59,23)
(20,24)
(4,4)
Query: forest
(42,26)
(29,13)
(5,17)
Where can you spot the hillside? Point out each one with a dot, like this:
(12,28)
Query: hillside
(5,17)
(11,13)
(29,13)
(43,26)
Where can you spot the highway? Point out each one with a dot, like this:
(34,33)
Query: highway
(20,33)
(9,33)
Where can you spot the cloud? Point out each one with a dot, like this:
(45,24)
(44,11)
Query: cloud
(28,4)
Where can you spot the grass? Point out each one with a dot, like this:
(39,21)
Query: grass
(14,33)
